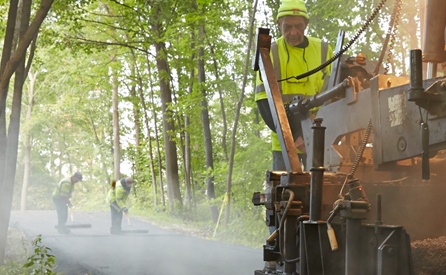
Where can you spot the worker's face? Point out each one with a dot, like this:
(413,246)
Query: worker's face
(129,183)
(293,28)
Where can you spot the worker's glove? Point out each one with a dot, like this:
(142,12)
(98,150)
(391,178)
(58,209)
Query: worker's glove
(125,210)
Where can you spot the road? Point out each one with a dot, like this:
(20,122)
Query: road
(94,251)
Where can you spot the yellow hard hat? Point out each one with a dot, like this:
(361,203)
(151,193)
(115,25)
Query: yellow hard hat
(292,7)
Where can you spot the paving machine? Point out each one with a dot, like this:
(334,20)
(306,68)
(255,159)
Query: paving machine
(373,176)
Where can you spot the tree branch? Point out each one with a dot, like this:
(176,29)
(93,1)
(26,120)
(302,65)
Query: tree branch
(24,43)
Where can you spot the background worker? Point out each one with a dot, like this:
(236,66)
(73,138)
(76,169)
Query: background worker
(293,54)
(117,198)
(61,199)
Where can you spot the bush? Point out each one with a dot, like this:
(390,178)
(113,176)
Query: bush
(42,261)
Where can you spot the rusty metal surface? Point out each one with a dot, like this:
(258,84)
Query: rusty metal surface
(278,112)
(434,32)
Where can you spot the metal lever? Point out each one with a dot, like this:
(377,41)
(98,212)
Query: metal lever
(425,168)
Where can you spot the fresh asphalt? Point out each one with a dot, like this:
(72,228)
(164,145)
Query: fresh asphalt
(94,251)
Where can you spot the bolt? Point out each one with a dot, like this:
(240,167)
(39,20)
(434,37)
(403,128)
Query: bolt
(401,144)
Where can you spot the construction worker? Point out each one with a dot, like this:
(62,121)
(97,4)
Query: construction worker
(61,199)
(293,54)
(117,197)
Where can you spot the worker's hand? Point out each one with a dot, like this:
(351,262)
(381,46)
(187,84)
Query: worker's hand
(125,210)
(300,144)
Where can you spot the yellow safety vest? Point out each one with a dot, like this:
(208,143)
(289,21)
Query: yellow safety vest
(292,61)
(118,195)
(64,188)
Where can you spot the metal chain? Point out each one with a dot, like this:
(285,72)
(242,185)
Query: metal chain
(358,156)
(392,32)
(345,48)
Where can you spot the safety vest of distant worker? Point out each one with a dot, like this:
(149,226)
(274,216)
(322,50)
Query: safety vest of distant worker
(64,188)
(291,61)
(118,194)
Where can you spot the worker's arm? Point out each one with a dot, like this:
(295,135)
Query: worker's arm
(265,112)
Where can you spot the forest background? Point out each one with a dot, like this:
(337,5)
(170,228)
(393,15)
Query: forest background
(162,91)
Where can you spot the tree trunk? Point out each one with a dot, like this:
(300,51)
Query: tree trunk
(145,112)
(116,141)
(222,105)
(136,120)
(156,137)
(257,121)
(9,144)
(237,115)
(158,153)
(27,158)
(205,121)
(6,55)
(189,192)
(104,156)
(181,141)
(172,177)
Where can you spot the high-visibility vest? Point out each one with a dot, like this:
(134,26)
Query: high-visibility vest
(64,188)
(292,61)
(118,195)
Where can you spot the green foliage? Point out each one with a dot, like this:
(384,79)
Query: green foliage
(247,227)
(12,268)
(40,188)
(15,254)
(42,261)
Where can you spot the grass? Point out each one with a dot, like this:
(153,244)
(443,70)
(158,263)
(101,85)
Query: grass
(16,252)
(243,229)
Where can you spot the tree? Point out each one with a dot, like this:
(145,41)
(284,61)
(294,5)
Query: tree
(11,64)
(172,177)
(116,139)
(205,120)
(27,159)
(237,116)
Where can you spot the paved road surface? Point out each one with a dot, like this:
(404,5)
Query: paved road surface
(94,251)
